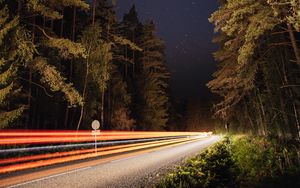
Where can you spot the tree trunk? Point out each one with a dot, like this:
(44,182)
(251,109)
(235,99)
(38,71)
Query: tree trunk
(133,65)
(283,100)
(52,24)
(28,118)
(102,108)
(73,118)
(292,97)
(57,113)
(67,112)
(249,117)
(108,105)
(297,55)
(66,117)
(263,117)
(87,71)
(297,119)
(19,7)
(94,12)
(62,25)
(294,44)
(29,98)
(126,57)
(84,94)
(133,56)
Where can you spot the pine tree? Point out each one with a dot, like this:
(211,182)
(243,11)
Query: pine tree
(121,101)
(44,71)
(253,39)
(12,55)
(288,13)
(154,81)
(131,29)
(232,81)
(102,42)
(65,48)
(246,21)
(38,63)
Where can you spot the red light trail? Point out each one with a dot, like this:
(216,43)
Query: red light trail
(50,137)
(21,137)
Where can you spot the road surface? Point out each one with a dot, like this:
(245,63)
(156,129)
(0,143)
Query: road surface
(127,170)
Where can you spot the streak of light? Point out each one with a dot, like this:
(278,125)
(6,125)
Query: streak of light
(50,137)
(6,133)
(40,163)
(81,145)
(62,154)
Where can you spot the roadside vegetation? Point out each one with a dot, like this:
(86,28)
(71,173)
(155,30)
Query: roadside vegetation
(240,161)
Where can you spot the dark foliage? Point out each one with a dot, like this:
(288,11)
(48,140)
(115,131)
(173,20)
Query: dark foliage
(240,162)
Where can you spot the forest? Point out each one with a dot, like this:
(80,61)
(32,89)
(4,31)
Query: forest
(258,84)
(66,63)
(258,75)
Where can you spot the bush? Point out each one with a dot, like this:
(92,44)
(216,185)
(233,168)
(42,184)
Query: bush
(262,161)
(212,168)
(240,162)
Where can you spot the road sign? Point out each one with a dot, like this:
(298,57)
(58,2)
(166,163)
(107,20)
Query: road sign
(95,124)
(95,132)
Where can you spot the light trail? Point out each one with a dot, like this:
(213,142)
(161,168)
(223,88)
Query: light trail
(72,146)
(52,140)
(76,152)
(111,142)
(25,133)
(116,150)
(51,137)
(119,166)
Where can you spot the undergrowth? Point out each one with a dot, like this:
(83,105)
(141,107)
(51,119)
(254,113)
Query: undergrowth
(240,162)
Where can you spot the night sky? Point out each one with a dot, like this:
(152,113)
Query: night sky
(184,26)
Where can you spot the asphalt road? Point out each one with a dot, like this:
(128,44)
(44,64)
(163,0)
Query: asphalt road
(128,170)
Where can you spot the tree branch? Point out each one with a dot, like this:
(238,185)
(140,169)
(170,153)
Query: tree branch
(45,90)
(288,86)
(42,30)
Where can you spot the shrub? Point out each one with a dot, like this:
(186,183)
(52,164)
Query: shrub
(240,162)
(212,168)
(261,160)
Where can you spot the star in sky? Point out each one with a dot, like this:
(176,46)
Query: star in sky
(184,26)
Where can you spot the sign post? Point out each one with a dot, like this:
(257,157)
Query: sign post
(95,126)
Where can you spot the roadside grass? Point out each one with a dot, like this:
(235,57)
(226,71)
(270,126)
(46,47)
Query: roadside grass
(240,161)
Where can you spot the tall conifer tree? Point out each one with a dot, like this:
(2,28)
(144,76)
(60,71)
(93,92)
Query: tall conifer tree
(153,81)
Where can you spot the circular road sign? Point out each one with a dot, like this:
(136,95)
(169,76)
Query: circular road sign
(95,124)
